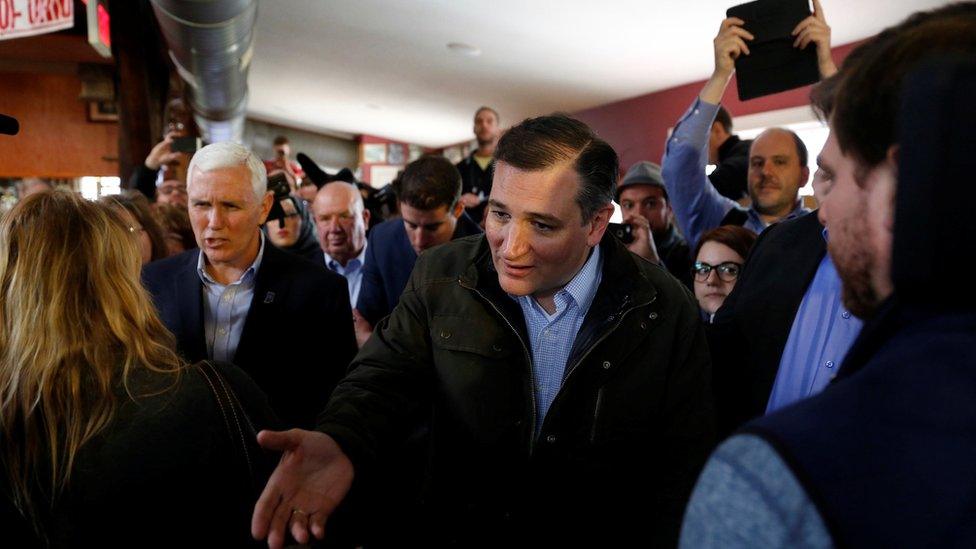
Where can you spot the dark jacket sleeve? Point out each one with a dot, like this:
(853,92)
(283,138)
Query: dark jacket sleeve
(387,382)
(730,177)
(373,303)
(689,427)
(144,180)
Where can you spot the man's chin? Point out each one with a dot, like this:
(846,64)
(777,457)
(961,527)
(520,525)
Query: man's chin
(514,287)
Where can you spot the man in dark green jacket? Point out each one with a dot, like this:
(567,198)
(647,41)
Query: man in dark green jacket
(567,379)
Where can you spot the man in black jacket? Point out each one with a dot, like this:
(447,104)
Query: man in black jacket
(476,168)
(565,376)
(644,203)
(730,156)
(239,299)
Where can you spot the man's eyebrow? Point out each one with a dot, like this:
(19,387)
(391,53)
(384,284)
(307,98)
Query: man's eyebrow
(552,220)
(496,204)
(821,163)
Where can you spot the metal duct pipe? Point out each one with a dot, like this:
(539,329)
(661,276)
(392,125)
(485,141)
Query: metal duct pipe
(211,43)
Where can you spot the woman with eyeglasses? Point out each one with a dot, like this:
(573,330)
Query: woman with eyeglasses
(718,259)
(135,210)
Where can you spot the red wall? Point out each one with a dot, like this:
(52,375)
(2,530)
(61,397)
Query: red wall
(638,127)
(56,139)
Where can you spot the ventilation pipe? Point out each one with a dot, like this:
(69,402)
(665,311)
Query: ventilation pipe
(211,43)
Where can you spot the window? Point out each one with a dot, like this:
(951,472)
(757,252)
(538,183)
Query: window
(93,188)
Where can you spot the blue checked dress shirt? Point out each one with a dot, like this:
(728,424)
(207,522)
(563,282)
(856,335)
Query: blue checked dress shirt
(552,336)
(225,308)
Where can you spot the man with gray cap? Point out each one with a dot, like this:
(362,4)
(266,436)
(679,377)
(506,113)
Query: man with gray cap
(644,203)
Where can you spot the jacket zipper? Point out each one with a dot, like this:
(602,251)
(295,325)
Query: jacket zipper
(528,360)
(589,349)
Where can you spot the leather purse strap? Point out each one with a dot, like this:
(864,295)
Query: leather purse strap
(238,424)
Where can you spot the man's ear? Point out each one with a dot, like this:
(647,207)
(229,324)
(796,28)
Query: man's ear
(598,225)
(266,204)
(458,209)
(805,175)
(366,214)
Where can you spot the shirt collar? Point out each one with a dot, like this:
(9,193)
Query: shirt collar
(360,258)
(582,288)
(798,210)
(246,276)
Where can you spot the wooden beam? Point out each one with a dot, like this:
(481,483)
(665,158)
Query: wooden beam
(142,80)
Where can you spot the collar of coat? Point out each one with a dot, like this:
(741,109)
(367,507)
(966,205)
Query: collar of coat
(624,283)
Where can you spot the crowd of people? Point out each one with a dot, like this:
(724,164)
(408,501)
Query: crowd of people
(214,358)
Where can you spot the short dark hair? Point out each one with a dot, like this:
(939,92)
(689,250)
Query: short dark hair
(429,182)
(862,100)
(280,140)
(489,109)
(542,142)
(740,239)
(724,119)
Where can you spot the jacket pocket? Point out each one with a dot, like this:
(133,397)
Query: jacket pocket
(459,333)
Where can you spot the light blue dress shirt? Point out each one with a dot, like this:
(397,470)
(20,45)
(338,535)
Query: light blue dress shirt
(823,330)
(698,206)
(225,308)
(552,336)
(353,271)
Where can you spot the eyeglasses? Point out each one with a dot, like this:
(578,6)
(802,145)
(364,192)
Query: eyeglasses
(727,271)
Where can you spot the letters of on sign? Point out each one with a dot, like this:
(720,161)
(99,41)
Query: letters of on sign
(19,18)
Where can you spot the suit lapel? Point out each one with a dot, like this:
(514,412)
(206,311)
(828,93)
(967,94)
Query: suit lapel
(799,258)
(189,292)
(270,284)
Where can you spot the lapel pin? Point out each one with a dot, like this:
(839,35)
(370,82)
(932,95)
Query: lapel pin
(269,297)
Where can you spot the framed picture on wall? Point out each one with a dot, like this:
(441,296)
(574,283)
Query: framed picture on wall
(103,111)
(394,153)
(374,153)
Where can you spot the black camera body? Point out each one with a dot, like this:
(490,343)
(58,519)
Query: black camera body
(278,185)
(623,231)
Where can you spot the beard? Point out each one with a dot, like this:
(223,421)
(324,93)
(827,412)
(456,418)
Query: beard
(854,262)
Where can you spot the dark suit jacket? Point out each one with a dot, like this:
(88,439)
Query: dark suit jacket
(388,264)
(750,331)
(298,336)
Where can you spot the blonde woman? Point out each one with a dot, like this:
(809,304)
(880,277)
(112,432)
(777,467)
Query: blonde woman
(106,436)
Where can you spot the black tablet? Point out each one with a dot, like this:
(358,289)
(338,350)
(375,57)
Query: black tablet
(773,64)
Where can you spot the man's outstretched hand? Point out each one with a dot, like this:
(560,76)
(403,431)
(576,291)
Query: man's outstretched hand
(309,482)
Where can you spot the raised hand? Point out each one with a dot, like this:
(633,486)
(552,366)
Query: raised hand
(311,479)
(729,44)
(643,244)
(162,153)
(816,30)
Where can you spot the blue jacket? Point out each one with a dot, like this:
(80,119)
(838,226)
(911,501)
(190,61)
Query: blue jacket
(389,262)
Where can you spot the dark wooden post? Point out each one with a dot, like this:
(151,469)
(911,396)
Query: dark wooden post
(142,77)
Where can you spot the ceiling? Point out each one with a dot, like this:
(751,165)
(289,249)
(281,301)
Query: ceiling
(382,67)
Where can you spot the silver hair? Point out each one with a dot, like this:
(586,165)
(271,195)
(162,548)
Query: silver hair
(229,154)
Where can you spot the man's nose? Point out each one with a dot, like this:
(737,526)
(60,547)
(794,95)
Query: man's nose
(516,243)
(215,219)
